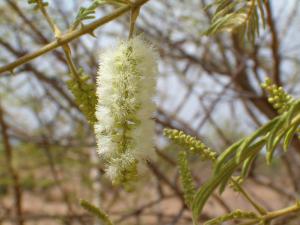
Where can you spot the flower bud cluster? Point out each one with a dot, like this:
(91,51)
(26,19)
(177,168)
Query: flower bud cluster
(280,100)
(193,144)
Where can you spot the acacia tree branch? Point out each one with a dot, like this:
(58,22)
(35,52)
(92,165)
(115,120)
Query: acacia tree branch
(70,36)
(12,171)
(274,45)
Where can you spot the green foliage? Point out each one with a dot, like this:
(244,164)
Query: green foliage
(280,128)
(87,13)
(191,143)
(237,214)
(85,96)
(186,178)
(280,100)
(239,15)
(220,179)
(102,216)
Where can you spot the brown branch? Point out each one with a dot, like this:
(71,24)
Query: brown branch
(274,45)
(12,171)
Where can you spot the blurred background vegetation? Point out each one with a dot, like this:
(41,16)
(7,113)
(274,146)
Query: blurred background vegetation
(208,87)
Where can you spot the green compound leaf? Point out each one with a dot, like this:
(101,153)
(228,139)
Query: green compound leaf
(225,155)
(224,174)
(87,13)
(238,15)
(245,151)
(257,134)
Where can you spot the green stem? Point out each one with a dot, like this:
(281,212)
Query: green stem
(276,214)
(259,208)
(46,15)
(282,212)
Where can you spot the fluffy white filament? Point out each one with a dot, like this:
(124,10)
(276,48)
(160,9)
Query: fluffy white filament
(126,84)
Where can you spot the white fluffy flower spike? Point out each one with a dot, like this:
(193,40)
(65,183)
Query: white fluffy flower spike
(126,84)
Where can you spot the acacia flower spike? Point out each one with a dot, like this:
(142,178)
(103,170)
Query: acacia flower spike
(126,84)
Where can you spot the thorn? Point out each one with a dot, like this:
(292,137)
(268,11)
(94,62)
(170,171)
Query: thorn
(92,34)
(57,32)
(12,72)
